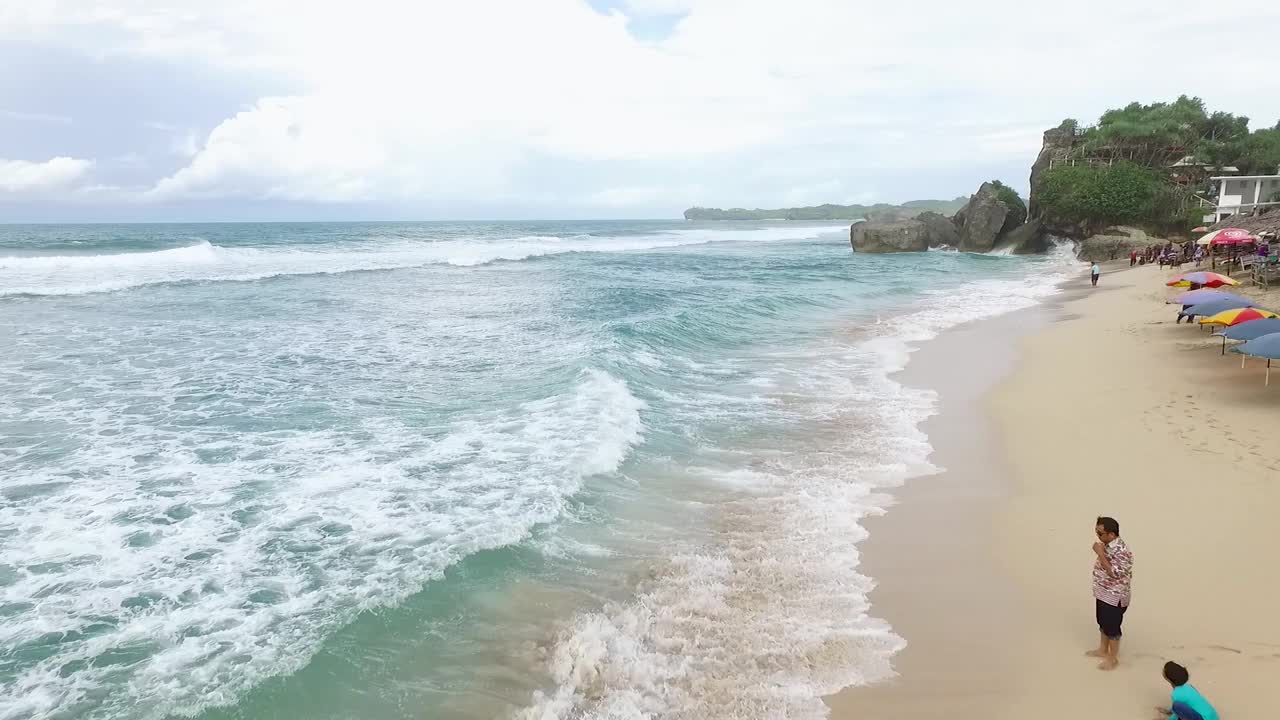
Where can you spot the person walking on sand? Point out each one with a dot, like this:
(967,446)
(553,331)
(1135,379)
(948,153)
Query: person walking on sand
(1112,577)
(1133,258)
(1186,702)
(1094,272)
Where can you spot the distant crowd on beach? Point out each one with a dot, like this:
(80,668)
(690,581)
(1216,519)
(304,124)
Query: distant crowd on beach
(1167,254)
(1173,255)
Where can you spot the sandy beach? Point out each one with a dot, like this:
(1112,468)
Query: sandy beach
(1109,408)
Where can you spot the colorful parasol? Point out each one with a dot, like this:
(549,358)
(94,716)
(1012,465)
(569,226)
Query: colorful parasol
(1226,236)
(1202,279)
(1237,316)
(1267,346)
(1203,295)
(1251,330)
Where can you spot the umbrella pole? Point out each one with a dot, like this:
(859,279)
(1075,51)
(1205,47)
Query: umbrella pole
(1243,357)
(1224,345)
(1268,380)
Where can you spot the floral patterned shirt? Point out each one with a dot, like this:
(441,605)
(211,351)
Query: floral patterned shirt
(1113,587)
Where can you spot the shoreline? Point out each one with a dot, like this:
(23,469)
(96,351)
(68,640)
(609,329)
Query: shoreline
(1104,407)
(924,582)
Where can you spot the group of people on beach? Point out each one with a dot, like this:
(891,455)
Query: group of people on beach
(1167,254)
(1112,591)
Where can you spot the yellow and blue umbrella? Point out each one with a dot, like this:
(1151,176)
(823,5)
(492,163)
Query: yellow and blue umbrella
(1236,316)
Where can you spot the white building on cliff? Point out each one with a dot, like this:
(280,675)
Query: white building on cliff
(1242,193)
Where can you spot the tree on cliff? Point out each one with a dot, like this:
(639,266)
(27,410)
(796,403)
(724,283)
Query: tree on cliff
(1094,196)
(1119,170)
(1017,208)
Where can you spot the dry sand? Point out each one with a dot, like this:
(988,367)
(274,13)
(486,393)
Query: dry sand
(1111,409)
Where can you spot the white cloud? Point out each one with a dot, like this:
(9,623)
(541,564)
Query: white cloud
(643,195)
(36,117)
(17,176)
(650,8)
(748,101)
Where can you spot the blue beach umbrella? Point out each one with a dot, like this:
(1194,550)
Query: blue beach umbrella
(1249,330)
(1267,346)
(1252,330)
(1203,295)
(1214,307)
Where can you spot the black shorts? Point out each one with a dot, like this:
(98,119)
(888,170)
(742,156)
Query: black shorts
(1109,618)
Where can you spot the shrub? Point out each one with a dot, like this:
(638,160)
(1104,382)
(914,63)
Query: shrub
(1010,197)
(1094,196)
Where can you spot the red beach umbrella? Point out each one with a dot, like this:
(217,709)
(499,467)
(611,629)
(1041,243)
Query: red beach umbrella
(1233,236)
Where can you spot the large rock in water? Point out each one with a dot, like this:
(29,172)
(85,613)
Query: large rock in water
(939,230)
(981,221)
(887,237)
(1028,239)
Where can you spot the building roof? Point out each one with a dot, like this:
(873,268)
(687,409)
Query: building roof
(1190,161)
(1246,177)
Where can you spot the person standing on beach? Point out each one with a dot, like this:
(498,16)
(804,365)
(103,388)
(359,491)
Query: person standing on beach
(1112,577)
(1133,258)
(1094,272)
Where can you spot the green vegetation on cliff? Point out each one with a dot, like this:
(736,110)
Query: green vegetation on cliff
(1017,208)
(1145,164)
(830,212)
(1121,194)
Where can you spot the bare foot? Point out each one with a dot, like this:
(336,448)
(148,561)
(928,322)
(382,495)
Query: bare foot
(1095,653)
(1108,664)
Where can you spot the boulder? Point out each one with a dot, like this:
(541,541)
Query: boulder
(1114,243)
(981,221)
(939,230)
(887,237)
(1028,239)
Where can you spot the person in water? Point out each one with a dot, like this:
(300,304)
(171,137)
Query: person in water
(1186,702)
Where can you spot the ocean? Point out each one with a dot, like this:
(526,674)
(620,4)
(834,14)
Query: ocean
(456,470)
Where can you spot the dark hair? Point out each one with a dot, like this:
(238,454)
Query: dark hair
(1109,524)
(1176,674)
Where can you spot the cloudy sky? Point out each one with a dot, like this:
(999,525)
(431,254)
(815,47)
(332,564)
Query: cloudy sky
(433,109)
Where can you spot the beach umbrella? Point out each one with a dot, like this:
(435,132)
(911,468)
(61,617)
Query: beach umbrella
(1191,297)
(1213,308)
(1225,236)
(1201,279)
(1236,316)
(1249,331)
(1267,346)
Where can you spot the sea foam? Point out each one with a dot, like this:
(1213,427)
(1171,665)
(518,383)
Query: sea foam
(170,587)
(772,614)
(206,262)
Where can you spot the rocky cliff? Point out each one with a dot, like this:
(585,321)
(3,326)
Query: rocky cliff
(986,221)
(1057,142)
(886,237)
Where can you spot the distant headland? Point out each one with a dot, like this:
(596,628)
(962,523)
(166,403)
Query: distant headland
(879,211)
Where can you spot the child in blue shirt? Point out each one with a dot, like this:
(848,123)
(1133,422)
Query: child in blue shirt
(1188,703)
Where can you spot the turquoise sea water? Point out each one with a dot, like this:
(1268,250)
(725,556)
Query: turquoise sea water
(471,470)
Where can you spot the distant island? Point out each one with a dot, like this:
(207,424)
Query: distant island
(879,211)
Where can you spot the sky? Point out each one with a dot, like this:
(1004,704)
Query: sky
(241,110)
